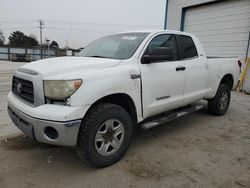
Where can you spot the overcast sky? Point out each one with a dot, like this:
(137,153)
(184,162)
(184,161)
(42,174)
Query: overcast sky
(80,21)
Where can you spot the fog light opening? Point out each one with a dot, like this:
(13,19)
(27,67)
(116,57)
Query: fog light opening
(51,133)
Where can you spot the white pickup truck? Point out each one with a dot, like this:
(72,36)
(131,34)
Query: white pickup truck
(94,101)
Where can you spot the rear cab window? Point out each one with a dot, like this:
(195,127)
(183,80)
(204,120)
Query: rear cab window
(186,46)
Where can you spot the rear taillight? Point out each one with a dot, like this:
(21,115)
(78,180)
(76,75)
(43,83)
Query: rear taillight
(239,63)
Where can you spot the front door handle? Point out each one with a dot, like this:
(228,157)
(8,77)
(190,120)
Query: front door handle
(135,76)
(180,68)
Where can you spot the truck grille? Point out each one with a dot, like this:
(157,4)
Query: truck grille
(23,88)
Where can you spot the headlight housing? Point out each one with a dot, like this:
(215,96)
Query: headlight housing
(61,89)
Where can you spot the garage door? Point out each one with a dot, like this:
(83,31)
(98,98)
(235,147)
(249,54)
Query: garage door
(223,27)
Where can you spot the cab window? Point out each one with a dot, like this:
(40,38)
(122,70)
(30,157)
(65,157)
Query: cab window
(187,48)
(163,45)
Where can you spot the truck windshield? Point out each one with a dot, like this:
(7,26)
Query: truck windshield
(117,46)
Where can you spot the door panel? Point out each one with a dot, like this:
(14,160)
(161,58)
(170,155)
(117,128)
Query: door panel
(196,69)
(163,84)
(162,87)
(196,80)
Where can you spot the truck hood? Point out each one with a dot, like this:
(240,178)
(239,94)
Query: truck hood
(69,65)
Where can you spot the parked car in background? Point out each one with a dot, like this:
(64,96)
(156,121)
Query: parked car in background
(21,57)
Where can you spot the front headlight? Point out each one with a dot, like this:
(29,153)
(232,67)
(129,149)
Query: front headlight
(60,89)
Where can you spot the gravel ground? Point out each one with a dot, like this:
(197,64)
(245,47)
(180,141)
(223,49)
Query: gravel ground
(198,150)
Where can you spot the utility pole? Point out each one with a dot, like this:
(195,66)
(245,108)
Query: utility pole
(166,15)
(41,24)
(48,47)
(68,40)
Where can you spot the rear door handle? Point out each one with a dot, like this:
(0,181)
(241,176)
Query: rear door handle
(180,68)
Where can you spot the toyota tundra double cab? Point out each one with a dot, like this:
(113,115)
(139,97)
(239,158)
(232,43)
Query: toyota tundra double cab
(94,101)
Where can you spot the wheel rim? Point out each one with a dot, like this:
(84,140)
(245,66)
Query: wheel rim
(224,100)
(109,137)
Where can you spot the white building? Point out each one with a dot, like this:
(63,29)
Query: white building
(223,26)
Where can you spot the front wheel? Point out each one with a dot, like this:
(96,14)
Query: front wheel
(105,135)
(220,103)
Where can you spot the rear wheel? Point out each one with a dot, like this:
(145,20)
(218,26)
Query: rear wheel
(105,135)
(220,103)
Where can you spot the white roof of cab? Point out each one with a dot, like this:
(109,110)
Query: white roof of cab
(157,31)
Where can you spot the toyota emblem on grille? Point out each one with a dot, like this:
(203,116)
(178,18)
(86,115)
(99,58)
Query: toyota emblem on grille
(19,87)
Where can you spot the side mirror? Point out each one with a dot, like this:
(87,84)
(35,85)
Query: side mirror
(157,55)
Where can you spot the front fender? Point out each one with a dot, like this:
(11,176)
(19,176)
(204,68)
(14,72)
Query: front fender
(101,83)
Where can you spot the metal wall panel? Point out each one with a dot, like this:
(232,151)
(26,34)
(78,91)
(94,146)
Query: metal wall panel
(17,50)
(222,27)
(3,56)
(3,53)
(175,11)
(33,52)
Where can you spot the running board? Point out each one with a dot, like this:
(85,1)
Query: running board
(170,117)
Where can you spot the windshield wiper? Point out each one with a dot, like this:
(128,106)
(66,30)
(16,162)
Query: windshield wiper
(98,56)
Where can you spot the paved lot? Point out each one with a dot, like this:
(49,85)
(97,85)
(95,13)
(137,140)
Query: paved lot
(198,150)
(6,71)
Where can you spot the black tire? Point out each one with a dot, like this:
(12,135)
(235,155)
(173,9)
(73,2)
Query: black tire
(95,118)
(217,105)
